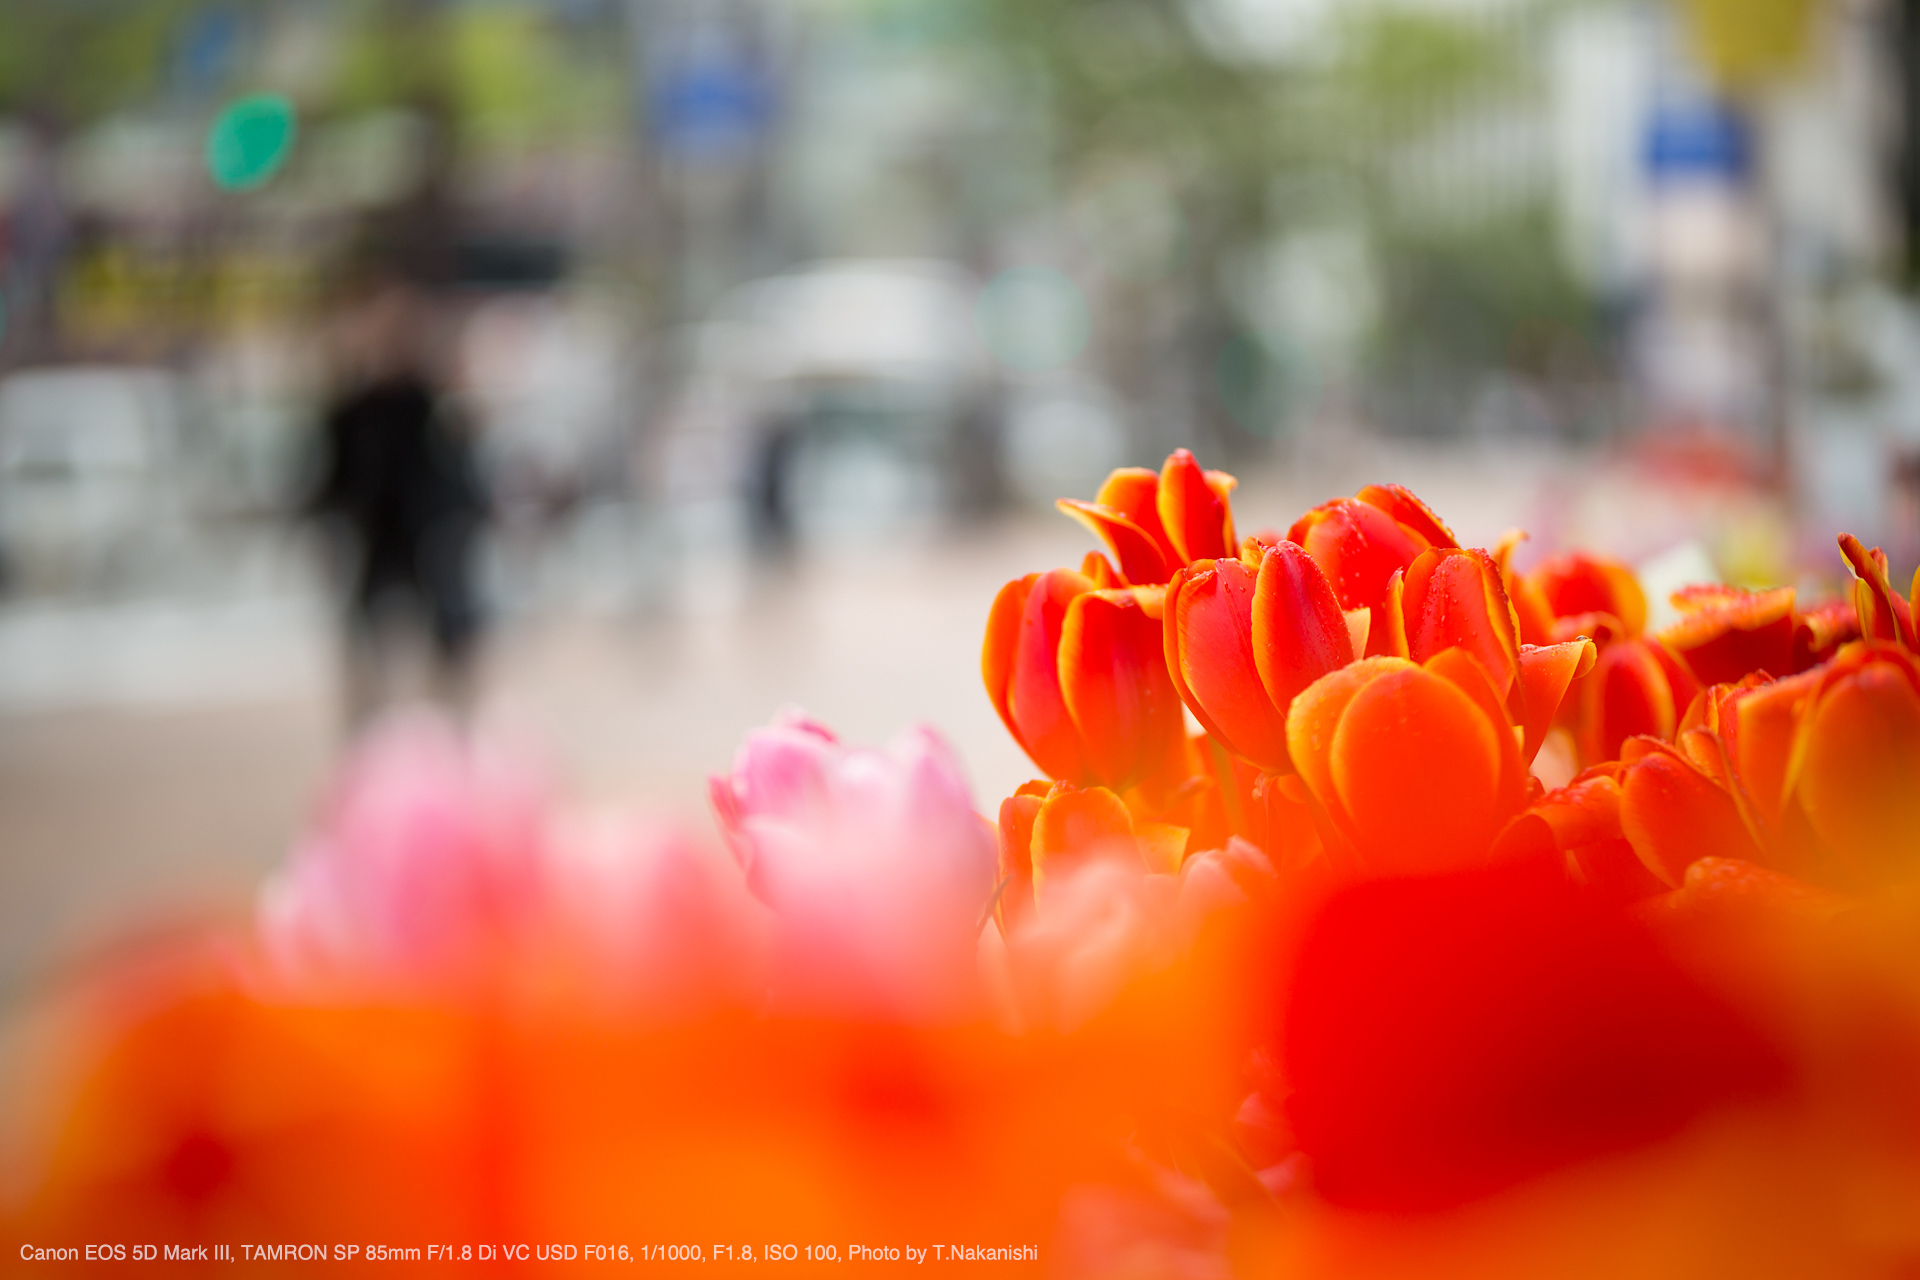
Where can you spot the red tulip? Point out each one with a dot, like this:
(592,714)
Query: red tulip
(1578,583)
(1637,688)
(1156,523)
(1361,541)
(1242,643)
(1726,632)
(1078,677)
(1450,1035)
(1453,598)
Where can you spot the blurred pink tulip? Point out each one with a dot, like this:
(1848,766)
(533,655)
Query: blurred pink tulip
(644,917)
(423,868)
(874,863)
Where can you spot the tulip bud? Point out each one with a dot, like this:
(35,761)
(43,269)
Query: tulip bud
(1361,541)
(1155,523)
(1242,645)
(1079,678)
(1579,583)
(1453,598)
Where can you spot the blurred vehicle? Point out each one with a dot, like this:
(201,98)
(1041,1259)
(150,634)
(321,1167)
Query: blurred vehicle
(87,490)
(846,396)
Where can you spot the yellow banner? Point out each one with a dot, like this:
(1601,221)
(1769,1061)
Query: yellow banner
(1746,43)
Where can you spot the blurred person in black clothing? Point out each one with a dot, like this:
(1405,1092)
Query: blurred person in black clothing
(398,485)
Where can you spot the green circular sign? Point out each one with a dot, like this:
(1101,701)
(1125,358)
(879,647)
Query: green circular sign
(250,139)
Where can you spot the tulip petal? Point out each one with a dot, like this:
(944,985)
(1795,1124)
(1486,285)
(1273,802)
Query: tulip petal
(1314,718)
(1820,631)
(1209,628)
(1194,510)
(1359,629)
(1015,838)
(1882,613)
(1299,631)
(1098,570)
(1674,815)
(1406,509)
(1546,671)
(1630,697)
(1141,561)
(1416,766)
(1034,697)
(1725,633)
(1454,598)
(1466,674)
(1757,735)
(1358,545)
(1074,825)
(1003,641)
(1135,493)
(1858,775)
(1113,675)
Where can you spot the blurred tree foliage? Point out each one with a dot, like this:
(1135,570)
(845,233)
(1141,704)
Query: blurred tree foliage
(67,61)
(1256,146)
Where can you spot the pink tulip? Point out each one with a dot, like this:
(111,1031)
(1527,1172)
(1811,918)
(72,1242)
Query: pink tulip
(643,917)
(875,865)
(422,873)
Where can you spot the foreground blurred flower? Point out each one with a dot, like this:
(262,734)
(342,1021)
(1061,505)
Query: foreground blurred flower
(874,863)
(423,874)
(1448,1036)
(440,868)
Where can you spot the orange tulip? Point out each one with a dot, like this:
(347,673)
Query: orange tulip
(1242,642)
(1361,541)
(1156,523)
(1451,598)
(1415,768)
(1675,813)
(1813,776)
(1077,675)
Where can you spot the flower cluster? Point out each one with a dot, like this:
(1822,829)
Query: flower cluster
(1295,961)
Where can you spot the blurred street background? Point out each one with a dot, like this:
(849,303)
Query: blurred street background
(761,334)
